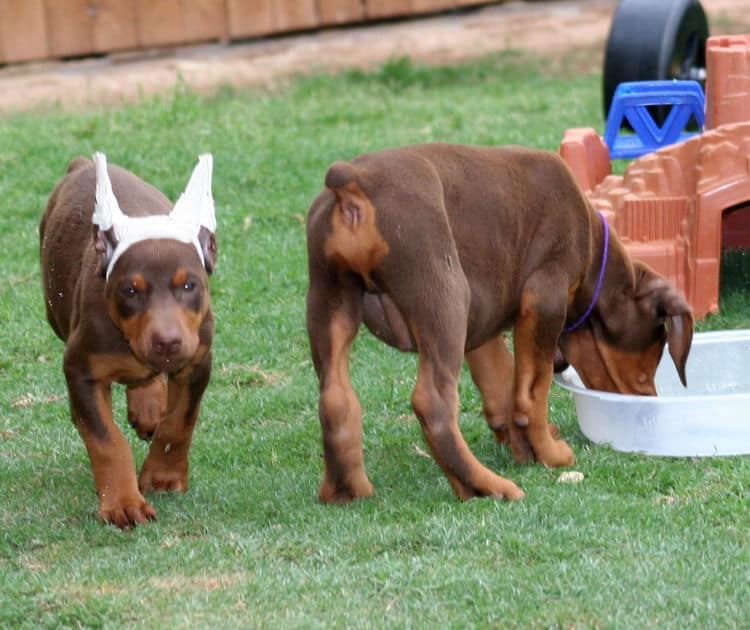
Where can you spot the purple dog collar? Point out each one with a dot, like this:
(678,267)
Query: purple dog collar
(599,280)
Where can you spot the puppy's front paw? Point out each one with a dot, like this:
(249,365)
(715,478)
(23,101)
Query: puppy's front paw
(358,487)
(147,406)
(163,474)
(487,484)
(126,512)
(557,454)
(151,479)
(506,489)
(551,450)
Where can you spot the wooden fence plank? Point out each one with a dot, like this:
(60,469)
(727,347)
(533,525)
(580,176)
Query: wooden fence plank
(425,6)
(249,19)
(113,25)
(340,11)
(293,15)
(159,22)
(23,35)
(205,20)
(69,29)
(387,8)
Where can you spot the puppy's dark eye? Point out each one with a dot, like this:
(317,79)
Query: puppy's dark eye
(129,291)
(188,286)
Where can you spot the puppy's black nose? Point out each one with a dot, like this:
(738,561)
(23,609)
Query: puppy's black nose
(166,343)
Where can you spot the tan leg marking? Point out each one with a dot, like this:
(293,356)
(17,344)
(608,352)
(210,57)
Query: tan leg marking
(532,384)
(120,502)
(166,465)
(341,421)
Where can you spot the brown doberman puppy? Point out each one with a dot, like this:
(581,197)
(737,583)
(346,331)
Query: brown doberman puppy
(132,305)
(439,249)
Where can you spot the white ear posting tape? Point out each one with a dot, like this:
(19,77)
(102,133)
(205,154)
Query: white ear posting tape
(194,209)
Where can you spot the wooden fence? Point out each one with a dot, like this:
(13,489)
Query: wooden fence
(54,29)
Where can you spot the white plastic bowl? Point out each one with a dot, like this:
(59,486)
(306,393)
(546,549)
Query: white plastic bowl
(710,417)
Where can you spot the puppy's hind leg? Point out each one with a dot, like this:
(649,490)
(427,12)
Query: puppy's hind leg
(440,341)
(334,313)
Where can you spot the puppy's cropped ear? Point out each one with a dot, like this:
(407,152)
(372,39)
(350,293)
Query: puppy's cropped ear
(196,205)
(341,180)
(107,213)
(104,245)
(207,240)
(659,300)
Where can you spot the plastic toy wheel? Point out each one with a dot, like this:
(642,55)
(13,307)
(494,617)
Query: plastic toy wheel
(652,40)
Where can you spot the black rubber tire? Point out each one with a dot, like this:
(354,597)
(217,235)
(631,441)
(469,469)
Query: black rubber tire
(652,40)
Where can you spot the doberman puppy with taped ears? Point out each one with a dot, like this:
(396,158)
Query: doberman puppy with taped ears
(439,249)
(132,305)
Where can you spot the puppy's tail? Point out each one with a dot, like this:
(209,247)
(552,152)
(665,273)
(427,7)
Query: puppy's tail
(340,175)
(342,179)
(355,241)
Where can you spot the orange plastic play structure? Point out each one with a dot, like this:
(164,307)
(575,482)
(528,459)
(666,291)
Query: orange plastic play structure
(675,209)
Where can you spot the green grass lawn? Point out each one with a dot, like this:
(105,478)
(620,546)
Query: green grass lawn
(642,542)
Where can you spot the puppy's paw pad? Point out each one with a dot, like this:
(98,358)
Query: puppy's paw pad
(562,455)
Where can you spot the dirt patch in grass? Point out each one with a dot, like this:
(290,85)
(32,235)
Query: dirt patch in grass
(252,375)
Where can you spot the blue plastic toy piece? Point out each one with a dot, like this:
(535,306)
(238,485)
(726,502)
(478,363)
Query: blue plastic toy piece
(631,101)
